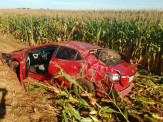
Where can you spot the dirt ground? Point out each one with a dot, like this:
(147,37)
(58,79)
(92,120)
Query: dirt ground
(16,105)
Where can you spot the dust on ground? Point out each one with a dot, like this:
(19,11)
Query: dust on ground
(16,104)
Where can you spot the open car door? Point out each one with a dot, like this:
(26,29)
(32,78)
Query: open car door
(23,67)
(35,63)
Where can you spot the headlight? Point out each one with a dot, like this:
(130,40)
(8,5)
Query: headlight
(113,77)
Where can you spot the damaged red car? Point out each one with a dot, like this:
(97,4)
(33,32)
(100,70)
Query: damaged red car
(95,68)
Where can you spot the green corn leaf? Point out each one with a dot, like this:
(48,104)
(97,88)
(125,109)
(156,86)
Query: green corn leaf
(114,97)
(67,111)
(61,94)
(134,111)
(63,82)
(84,102)
(58,76)
(107,100)
(110,110)
(106,110)
(36,89)
(125,111)
(77,94)
(94,118)
(74,112)
(103,109)
(68,77)
(64,116)
(87,119)
(70,101)
(121,98)
(157,116)
(59,101)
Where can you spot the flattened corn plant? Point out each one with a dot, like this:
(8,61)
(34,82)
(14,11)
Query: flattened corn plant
(141,38)
(74,107)
(144,103)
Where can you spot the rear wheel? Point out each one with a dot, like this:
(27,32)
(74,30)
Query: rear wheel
(86,85)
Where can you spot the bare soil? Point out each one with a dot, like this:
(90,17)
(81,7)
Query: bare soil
(16,105)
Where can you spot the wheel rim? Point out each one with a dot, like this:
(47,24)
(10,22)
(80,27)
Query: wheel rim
(85,88)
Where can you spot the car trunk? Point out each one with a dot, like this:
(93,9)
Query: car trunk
(127,72)
(124,68)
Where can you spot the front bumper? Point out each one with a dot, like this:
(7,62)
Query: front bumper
(126,90)
(5,58)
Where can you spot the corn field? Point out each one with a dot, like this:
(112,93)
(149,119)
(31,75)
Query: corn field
(139,34)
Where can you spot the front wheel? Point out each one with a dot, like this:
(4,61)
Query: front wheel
(86,85)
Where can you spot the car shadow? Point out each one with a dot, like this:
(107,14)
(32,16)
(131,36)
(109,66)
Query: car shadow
(2,103)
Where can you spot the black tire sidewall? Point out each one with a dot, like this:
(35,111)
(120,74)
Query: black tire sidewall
(86,83)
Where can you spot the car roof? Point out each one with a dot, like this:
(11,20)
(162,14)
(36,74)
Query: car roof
(83,45)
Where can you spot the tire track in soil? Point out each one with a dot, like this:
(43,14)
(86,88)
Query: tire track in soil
(15,104)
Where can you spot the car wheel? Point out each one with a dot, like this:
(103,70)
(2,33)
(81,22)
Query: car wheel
(86,85)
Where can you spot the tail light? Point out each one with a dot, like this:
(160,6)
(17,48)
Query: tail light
(125,80)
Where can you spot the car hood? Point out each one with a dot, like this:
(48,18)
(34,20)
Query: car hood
(124,68)
(19,54)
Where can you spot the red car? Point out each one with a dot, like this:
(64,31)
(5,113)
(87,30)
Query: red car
(94,68)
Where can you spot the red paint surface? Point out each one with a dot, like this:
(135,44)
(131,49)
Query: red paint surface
(89,65)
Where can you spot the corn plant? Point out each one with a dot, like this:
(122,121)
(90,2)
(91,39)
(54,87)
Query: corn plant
(140,37)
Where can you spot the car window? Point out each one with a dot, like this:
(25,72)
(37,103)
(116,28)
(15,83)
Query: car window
(95,52)
(45,48)
(78,57)
(41,55)
(68,54)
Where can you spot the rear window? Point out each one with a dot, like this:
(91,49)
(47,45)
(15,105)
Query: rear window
(78,57)
(107,56)
(68,54)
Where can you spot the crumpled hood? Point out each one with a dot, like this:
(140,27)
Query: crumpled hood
(18,52)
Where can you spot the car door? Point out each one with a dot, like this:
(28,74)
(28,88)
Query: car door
(68,59)
(35,57)
(23,72)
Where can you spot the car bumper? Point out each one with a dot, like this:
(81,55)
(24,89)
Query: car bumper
(126,90)
(5,58)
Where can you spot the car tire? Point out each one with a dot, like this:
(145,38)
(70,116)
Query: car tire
(86,85)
